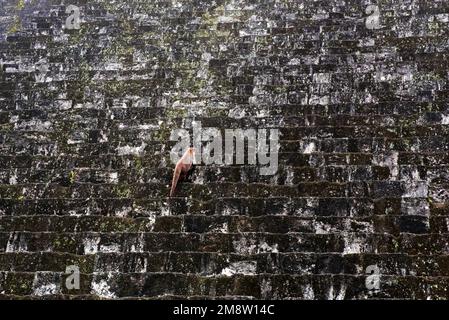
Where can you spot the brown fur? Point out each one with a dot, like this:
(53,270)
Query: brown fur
(182,168)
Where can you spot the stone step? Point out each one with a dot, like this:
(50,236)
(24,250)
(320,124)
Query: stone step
(37,144)
(242,243)
(149,107)
(116,162)
(150,119)
(285,159)
(157,285)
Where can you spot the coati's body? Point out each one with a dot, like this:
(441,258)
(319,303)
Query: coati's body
(182,168)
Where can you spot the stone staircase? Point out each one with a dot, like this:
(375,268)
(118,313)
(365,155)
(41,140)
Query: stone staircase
(85,171)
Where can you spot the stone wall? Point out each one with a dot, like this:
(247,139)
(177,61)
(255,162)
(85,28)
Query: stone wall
(358,90)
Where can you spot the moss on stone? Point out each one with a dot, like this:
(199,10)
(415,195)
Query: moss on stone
(122,191)
(16,26)
(174,113)
(115,88)
(79,36)
(75,89)
(138,163)
(72,177)
(7,127)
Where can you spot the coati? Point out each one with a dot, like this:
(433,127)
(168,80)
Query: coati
(182,168)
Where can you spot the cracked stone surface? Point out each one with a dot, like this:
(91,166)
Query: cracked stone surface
(358,90)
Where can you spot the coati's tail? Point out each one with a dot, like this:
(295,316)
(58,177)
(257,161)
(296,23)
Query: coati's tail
(174,182)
